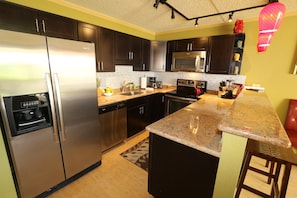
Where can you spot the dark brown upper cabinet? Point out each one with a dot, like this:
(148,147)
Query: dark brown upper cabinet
(221,54)
(194,44)
(22,19)
(106,49)
(103,40)
(145,56)
(131,50)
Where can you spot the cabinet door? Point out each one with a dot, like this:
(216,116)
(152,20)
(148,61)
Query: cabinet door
(169,50)
(146,56)
(18,18)
(183,45)
(106,49)
(122,48)
(158,55)
(88,33)
(199,44)
(136,52)
(220,54)
(157,102)
(58,26)
(138,115)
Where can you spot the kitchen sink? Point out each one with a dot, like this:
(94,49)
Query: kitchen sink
(132,93)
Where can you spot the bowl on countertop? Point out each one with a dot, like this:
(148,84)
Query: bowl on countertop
(107,94)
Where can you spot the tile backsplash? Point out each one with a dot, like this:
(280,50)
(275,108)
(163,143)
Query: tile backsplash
(126,73)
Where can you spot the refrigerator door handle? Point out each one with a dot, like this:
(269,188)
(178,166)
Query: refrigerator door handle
(51,97)
(60,112)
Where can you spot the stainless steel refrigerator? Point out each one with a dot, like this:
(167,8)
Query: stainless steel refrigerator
(49,109)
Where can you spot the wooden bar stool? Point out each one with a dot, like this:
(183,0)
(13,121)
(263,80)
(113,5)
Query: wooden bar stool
(276,155)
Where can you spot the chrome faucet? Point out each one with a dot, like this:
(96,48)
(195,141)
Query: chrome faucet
(125,85)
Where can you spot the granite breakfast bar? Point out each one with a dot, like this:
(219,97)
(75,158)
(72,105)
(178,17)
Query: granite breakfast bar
(220,141)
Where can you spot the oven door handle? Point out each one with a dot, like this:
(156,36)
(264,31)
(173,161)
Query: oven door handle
(178,98)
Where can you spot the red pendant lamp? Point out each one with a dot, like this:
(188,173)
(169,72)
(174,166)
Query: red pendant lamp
(270,19)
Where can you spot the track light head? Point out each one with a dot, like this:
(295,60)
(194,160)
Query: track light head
(172,14)
(156,4)
(230,19)
(196,22)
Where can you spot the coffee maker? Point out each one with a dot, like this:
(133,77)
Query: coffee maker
(151,82)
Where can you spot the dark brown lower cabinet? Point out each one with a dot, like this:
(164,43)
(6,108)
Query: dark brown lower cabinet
(176,170)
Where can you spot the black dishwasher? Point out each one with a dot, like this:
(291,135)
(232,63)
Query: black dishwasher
(113,124)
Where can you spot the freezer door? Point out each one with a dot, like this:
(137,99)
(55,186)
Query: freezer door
(23,63)
(73,69)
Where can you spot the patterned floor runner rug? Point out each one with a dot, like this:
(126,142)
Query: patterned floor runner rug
(138,154)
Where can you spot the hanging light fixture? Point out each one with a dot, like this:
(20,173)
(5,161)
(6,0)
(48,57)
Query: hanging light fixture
(270,19)
(264,40)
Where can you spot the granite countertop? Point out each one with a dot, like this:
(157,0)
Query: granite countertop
(117,97)
(210,110)
(250,115)
(253,116)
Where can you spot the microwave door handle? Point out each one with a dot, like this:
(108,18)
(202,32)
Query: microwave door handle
(52,106)
(60,112)
(197,63)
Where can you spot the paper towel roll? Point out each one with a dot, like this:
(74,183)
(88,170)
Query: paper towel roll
(143,82)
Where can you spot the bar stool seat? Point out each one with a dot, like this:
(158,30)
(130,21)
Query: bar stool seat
(276,155)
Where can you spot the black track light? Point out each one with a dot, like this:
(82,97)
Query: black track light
(172,14)
(230,19)
(196,22)
(156,4)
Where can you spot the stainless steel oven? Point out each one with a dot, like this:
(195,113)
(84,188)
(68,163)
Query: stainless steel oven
(174,103)
(187,92)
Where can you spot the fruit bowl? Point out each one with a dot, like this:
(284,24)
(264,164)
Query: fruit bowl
(108,91)
(107,94)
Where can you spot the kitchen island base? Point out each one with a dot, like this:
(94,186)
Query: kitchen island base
(176,170)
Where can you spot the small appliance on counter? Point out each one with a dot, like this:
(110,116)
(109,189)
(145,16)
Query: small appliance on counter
(229,90)
(159,84)
(151,82)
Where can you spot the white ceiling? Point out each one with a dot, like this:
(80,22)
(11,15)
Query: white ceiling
(141,13)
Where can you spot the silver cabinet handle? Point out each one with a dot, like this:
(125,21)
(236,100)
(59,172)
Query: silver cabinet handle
(52,105)
(36,25)
(98,66)
(102,66)
(143,67)
(43,26)
(60,112)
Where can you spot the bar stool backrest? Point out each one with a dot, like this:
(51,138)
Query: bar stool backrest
(291,120)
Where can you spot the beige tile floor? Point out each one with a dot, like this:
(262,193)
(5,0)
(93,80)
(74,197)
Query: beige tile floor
(118,178)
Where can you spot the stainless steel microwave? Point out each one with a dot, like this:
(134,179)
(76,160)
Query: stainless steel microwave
(194,61)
